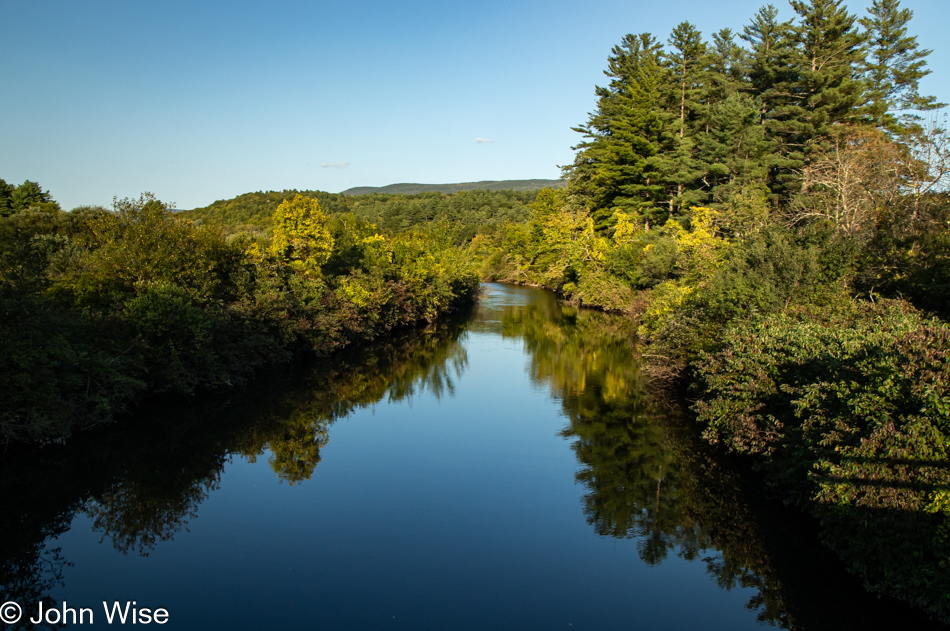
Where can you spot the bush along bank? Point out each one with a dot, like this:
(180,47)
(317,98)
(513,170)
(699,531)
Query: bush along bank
(843,402)
(847,412)
(103,308)
(741,202)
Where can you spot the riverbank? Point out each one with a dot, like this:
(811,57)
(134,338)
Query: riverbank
(114,307)
(517,448)
(840,398)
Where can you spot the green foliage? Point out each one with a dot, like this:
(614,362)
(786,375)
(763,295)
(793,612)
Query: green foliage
(475,210)
(598,287)
(613,167)
(114,306)
(916,267)
(6,198)
(829,52)
(141,244)
(252,212)
(848,411)
(58,372)
(301,238)
(893,66)
(14,199)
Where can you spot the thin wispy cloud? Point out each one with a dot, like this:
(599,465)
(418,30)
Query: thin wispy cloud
(335,165)
(484,141)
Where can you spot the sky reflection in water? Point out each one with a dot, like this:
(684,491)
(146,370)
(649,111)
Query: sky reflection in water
(507,470)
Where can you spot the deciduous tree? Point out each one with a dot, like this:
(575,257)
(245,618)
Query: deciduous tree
(301,237)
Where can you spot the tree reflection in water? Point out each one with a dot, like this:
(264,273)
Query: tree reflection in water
(429,362)
(146,507)
(647,476)
(140,483)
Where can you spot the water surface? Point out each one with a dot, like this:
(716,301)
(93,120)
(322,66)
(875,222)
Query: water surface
(509,469)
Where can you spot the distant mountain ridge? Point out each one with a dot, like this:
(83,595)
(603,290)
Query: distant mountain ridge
(487,185)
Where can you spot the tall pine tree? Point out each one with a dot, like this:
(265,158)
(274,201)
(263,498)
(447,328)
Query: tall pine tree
(612,167)
(687,62)
(830,51)
(773,72)
(726,61)
(893,67)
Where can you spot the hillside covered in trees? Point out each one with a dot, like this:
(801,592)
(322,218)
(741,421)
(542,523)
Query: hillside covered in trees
(470,211)
(484,185)
(114,306)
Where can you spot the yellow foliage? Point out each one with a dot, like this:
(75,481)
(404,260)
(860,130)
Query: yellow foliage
(625,230)
(595,246)
(699,247)
(373,240)
(939,503)
(355,293)
(667,299)
(301,237)
(254,252)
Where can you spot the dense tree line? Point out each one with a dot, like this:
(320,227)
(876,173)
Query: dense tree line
(103,307)
(772,210)
(27,195)
(251,213)
(471,211)
(733,126)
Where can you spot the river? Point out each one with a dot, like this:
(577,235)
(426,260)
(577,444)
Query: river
(507,469)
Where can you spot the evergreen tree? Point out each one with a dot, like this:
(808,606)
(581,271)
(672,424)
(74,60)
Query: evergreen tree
(735,149)
(612,167)
(28,195)
(725,68)
(6,198)
(770,67)
(731,143)
(830,50)
(687,76)
(687,61)
(772,73)
(893,66)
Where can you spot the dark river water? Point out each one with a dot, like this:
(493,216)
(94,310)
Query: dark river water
(508,469)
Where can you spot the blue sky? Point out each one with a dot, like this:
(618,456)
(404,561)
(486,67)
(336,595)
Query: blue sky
(197,101)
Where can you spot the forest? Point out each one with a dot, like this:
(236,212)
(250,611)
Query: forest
(471,212)
(112,306)
(768,205)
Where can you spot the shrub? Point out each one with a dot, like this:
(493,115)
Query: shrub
(847,411)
